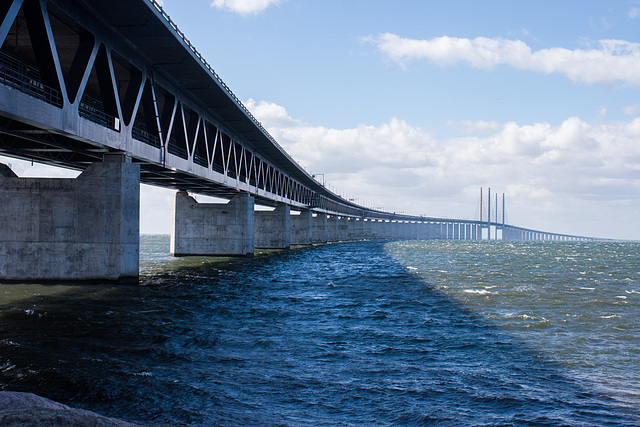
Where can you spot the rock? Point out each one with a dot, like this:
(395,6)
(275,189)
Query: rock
(27,409)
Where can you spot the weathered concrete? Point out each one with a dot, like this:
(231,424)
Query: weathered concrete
(320,225)
(386,230)
(377,229)
(332,229)
(355,229)
(343,228)
(272,229)
(414,230)
(302,228)
(213,229)
(394,230)
(82,229)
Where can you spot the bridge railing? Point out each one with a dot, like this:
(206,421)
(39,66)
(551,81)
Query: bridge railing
(93,109)
(22,76)
(139,132)
(174,148)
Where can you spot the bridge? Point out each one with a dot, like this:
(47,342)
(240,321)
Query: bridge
(115,90)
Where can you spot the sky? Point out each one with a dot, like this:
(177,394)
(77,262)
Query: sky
(415,105)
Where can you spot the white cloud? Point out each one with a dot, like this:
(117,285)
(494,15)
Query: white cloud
(634,12)
(631,110)
(573,169)
(244,7)
(608,62)
(602,111)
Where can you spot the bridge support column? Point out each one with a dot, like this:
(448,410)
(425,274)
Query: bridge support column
(393,230)
(428,231)
(82,229)
(272,229)
(302,228)
(403,230)
(354,229)
(423,230)
(213,229)
(367,229)
(388,230)
(332,228)
(343,228)
(410,230)
(376,229)
(435,231)
(320,224)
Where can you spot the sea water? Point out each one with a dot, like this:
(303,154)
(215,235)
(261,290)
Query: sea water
(364,333)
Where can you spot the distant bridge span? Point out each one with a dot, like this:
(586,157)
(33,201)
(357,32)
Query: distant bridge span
(116,90)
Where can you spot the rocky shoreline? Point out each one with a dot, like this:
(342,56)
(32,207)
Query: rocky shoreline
(27,409)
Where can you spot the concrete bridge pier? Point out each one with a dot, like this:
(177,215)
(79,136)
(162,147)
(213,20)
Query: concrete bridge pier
(377,229)
(215,229)
(82,229)
(410,232)
(510,234)
(355,230)
(367,229)
(320,228)
(332,228)
(389,230)
(343,228)
(423,230)
(394,230)
(302,228)
(272,229)
(404,230)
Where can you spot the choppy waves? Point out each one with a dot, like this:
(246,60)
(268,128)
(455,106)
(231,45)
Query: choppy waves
(407,333)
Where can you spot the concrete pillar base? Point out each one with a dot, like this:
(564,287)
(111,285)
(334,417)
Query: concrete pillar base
(302,228)
(355,229)
(332,229)
(320,228)
(343,228)
(273,228)
(212,229)
(83,229)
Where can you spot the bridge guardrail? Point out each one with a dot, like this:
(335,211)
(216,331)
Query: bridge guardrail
(93,109)
(22,76)
(139,132)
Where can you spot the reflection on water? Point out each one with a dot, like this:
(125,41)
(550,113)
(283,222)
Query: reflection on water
(408,333)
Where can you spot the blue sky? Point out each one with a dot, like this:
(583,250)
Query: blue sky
(415,105)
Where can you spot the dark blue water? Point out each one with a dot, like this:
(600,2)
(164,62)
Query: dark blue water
(404,333)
